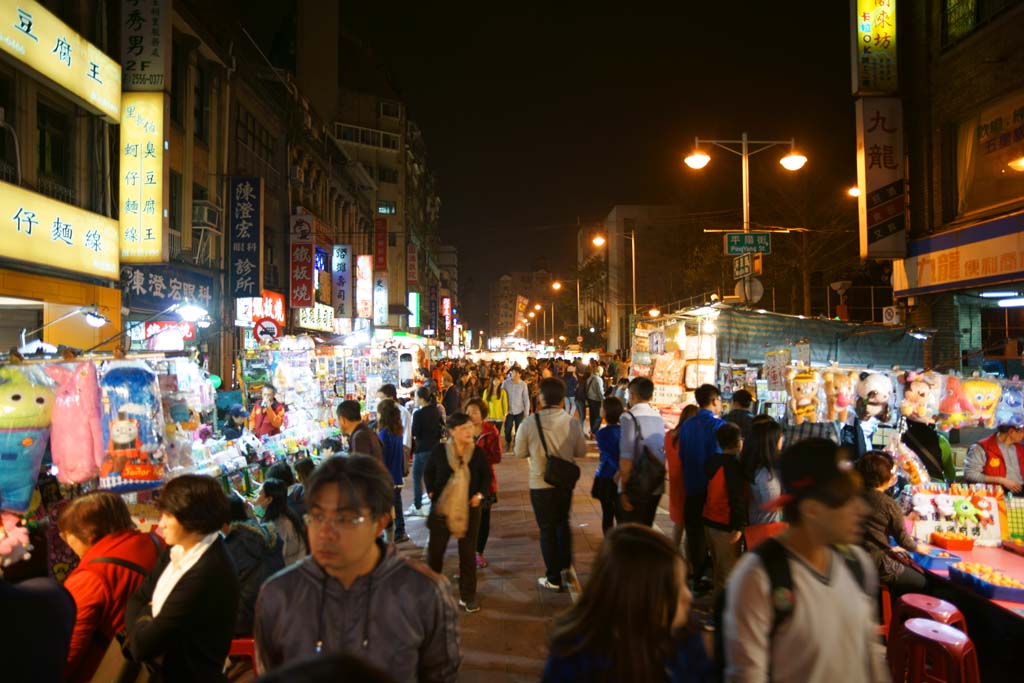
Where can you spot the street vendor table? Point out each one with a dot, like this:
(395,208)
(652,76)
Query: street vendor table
(996,627)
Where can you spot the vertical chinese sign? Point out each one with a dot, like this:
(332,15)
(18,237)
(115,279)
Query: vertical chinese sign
(446,311)
(873,36)
(341,281)
(412,264)
(380,244)
(880,177)
(245,216)
(364,287)
(142,164)
(380,297)
(432,309)
(145,44)
(301,291)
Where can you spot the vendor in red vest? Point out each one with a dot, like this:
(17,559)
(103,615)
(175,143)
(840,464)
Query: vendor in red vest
(267,415)
(998,459)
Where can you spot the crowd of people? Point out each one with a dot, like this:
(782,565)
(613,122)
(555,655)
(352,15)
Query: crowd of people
(311,570)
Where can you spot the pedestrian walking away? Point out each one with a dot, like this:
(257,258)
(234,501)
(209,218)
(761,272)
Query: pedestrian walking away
(427,431)
(642,439)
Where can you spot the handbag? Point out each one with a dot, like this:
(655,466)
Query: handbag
(559,472)
(648,476)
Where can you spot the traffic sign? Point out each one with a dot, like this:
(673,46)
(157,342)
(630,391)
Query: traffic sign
(749,290)
(746,265)
(737,243)
(265,330)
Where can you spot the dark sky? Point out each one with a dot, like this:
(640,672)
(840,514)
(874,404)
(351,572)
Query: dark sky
(536,118)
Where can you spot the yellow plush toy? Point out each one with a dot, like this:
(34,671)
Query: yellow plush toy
(803,386)
(839,393)
(982,398)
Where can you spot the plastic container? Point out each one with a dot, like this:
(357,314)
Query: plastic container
(1017,547)
(933,561)
(951,543)
(993,592)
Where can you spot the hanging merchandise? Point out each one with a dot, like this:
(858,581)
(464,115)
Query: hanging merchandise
(133,427)
(920,401)
(26,405)
(803,385)
(839,393)
(1011,403)
(975,513)
(874,396)
(76,443)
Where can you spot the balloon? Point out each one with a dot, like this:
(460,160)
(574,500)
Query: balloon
(215,381)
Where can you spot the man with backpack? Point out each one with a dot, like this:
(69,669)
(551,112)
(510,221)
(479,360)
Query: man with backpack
(551,431)
(641,452)
(802,607)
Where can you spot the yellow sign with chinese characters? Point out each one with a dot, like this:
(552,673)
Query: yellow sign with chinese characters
(319,317)
(40,230)
(141,198)
(38,39)
(874,47)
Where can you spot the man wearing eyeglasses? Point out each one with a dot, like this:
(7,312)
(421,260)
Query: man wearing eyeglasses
(353,594)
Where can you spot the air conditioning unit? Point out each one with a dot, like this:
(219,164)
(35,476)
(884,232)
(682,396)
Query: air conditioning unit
(205,214)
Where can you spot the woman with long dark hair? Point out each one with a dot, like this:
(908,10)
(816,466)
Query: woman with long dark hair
(759,460)
(391,430)
(632,621)
(272,506)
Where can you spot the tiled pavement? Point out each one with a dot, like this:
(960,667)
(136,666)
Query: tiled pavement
(507,639)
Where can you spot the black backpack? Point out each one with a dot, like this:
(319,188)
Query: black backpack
(780,588)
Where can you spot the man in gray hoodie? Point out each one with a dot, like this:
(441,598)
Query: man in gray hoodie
(353,594)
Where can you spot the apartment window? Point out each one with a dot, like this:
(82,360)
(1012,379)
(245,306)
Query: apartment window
(387,175)
(392,239)
(368,167)
(202,104)
(350,134)
(254,136)
(7,169)
(387,207)
(392,110)
(54,144)
(390,141)
(174,210)
(179,77)
(961,17)
(245,128)
(199,193)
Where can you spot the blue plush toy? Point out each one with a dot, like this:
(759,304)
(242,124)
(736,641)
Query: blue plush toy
(133,427)
(25,410)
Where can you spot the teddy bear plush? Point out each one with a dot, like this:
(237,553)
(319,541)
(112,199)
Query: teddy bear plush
(839,394)
(874,393)
(803,386)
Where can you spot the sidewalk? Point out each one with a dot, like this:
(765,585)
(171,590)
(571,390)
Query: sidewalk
(507,639)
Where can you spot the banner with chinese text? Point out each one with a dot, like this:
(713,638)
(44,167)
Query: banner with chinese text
(269,305)
(412,263)
(302,291)
(142,173)
(341,281)
(380,244)
(154,288)
(245,228)
(880,178)
(873,36)
(380,297)
(364,287)
(432,304)
(145,44)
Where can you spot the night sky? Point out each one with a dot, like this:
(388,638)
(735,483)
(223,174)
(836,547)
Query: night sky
(536,118)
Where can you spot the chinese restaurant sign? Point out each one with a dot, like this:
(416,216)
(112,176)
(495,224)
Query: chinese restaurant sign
(882,201)
(142,178)
(411,264)
(364,287)
(874,47)
(380,244)
(988,253)
(446,312)
(270,305)
(414,310)
(302,290)
(432,309)
(319,317)
(245,225)
(145,44)
(380,297)
(341,281)
(33,36)
(43,231)
(154,288)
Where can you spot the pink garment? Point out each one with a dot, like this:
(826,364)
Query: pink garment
(76,439)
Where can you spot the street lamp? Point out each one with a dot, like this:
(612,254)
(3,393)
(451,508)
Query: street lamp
(853,191)
(557,286)
(600,240)
(698,159)
(654,312)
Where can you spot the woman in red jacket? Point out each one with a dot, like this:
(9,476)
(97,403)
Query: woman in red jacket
(115,558)
(488,439)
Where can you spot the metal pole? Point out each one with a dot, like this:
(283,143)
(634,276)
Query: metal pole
(746,185)
(553,313)
(632,239)
(579,313)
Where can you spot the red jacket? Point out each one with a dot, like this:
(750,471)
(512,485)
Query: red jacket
(725,507)
(994,464)
(101,591)
(267,421)
(490,442)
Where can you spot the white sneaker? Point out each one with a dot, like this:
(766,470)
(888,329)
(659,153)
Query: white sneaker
(544,583)
(414,512)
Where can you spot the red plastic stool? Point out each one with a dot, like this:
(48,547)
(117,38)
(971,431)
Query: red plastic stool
(886,597)
(917,605)
(930,652)
(245,647)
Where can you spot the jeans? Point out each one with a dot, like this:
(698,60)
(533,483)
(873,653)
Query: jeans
(595,416)
(581,411)
(399,514)
(517,418)
(607,493)
(419,463)
(438,543)
(644,511)
(485,526)
(551,508)
(696,546)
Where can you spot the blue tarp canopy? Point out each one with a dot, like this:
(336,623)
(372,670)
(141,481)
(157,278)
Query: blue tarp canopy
(748,335)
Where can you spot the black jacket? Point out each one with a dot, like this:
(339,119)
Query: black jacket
(257,552)
(742,419)
(362,441)
(452,401)
(437,472)
(427,428)
(190,638)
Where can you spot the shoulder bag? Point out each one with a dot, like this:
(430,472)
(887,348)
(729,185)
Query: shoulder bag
(559,472)
(648,476)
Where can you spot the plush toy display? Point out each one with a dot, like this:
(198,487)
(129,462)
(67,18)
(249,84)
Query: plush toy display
(839,393)
(25,409)
(1011,404)
(944,503)
(133,427)
(919,403)
(965,511)
(874,394)
(984,508)
(981,397)
(953,411)
(803,386)
(923,506)
(76,443)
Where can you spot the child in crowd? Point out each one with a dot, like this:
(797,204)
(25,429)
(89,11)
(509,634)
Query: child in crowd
(725,509)
(605,487)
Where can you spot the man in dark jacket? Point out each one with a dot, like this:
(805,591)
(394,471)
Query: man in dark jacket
(361,439)
(740,413)
(354,594)
(257,552)
(452,401)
